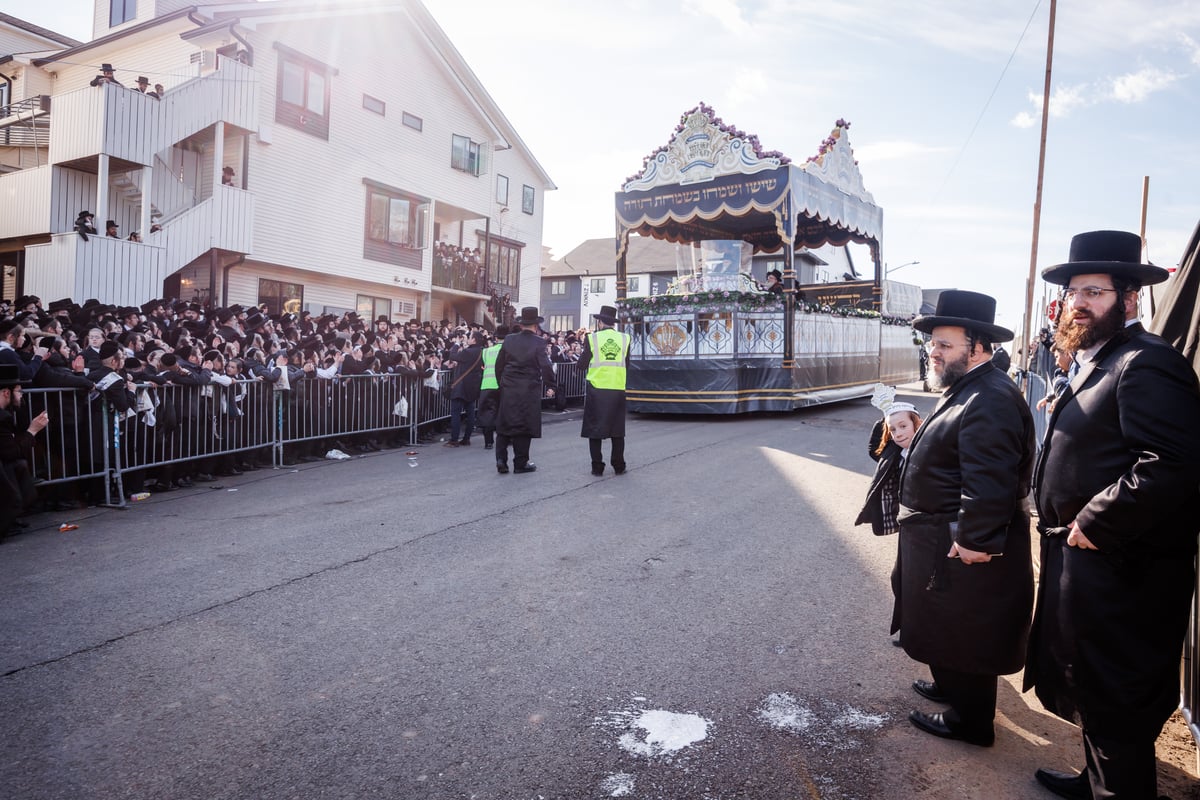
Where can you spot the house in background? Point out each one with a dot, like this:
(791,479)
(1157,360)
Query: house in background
(575,286)
(357,136)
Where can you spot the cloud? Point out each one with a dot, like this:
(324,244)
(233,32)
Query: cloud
(1063,102)
(891,151)
(1190,44)
(726,12)
(1137,86)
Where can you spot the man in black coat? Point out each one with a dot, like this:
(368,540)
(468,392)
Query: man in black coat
(1119,511)
(17,491)
(521,369)
(464,388)
(966,580)
(605,358)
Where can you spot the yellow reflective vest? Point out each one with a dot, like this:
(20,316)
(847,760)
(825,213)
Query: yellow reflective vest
(610,348)
(489,367)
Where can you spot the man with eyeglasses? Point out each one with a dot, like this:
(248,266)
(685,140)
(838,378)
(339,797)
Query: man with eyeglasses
(1119,510)
(966,579)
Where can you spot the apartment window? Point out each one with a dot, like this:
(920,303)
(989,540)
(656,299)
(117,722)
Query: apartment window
(527,199)
(502,190)
(562,322)
(396,222)
(466,155)
(302,92)
(372,308)
(558,287)
(596,286)
(412,121)
(634,283)
(504,264)
(120,11)
(281,297)
(374,104)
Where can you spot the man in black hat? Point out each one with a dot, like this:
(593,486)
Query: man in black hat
(966,580)
(522,366)
(606,358)
(105,76)
(1119,510)
(17,491)
(84,224)
(775,282)
(110,229)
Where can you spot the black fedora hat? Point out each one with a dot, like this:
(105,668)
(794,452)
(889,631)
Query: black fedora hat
(971,310)
(529,316)
(607,314)
(10,375)
(1116,253)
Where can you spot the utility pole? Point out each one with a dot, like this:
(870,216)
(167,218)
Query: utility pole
(1037,203)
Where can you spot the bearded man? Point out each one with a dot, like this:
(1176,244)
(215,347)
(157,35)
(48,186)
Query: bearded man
(966,580)
(1119,510)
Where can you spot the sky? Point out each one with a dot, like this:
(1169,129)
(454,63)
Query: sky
(943,99)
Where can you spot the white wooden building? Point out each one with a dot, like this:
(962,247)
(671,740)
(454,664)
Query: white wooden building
(357,135)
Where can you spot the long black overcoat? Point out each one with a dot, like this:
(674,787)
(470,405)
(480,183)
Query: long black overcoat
(966,479)
(1121,458)
(603,409)
(521,368)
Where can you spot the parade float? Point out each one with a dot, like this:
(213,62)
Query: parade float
(715,343)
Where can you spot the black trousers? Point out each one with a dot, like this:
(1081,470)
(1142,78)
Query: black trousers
(972,698)
(618,452)
(1120,768)
(520,448)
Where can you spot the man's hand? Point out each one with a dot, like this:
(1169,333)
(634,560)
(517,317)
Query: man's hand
(38,423)
(1076,539)
(40,352)
(967,556)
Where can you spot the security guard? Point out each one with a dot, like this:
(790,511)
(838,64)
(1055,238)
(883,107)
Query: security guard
(606,358)
(489,395)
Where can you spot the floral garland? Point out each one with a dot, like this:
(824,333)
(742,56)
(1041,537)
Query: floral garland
(700,303)
(733,132)
(830,141)
(839,311)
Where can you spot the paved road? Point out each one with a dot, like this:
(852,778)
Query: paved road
(707,626)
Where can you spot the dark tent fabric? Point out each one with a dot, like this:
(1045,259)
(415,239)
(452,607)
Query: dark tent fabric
(1177,317)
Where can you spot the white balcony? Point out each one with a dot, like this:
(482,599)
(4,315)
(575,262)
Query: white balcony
(122,272)
(25,198)
(130,126)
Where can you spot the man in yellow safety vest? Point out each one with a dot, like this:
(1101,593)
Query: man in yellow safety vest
(606,359)
(489,395)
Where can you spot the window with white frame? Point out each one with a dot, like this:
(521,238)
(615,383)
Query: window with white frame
(558,287)
(561,322)
(395,218)
(596,286)
(634,283)
(502,190)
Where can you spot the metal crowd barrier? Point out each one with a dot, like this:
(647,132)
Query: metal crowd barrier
(73,446)
(175,423)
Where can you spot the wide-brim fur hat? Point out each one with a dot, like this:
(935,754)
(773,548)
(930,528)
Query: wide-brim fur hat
(1116,253)
(970,310)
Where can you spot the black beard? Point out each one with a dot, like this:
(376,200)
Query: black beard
(1073,338)
(951,372)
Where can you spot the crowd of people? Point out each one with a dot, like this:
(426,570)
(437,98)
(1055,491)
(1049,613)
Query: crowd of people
(196,380)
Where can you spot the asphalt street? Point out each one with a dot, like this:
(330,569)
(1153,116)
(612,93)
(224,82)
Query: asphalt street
(709,625)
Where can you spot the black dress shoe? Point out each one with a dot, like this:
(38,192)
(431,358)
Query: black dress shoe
(937,725)
(487,447)
(501,467)
(597,471)
(530,467)
(929,690)
(618,470)
(1065,784)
